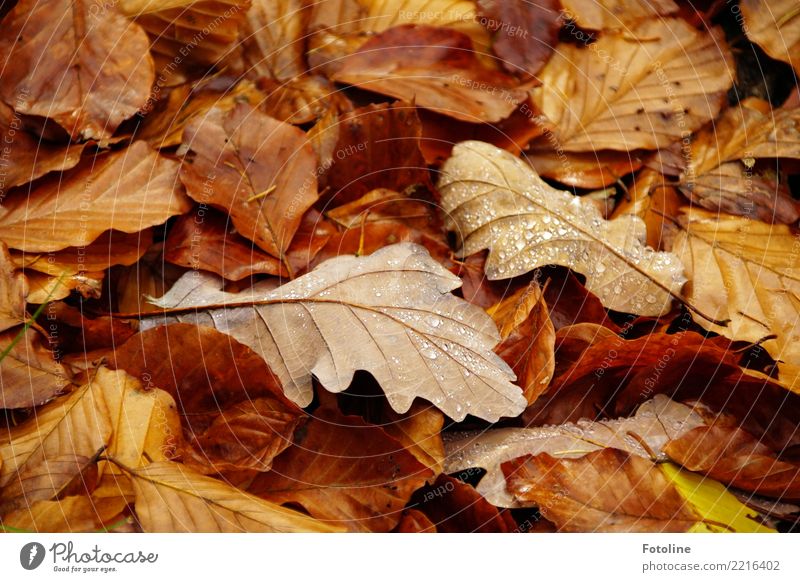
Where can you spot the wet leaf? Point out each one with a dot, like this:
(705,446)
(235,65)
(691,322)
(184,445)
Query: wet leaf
(414,336)
(496,201)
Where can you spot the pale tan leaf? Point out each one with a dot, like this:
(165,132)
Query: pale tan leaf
(496,201)
(391,314)
(745,271)
(42,482)
(172,498)
(29,375)
(129,191)
(614,14)
(774,25)
(643,88)
(87,69)
(656,422)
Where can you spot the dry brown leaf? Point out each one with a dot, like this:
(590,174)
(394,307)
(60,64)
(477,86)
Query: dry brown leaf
(656,422)
(233,411)
(29,375)
(26,157)
(528,338)
(87,69)
(496,201)
(13,290)
(172,498)
(656,201)
(718,169)
(583,169)
(377,146)
(434,68)
(644,88)
(73,514)
(614,14)
(273,37)
(344,472)
(455,507)
(339,27)
(524,32)
(258,169)
(774,25)
(128,191)
(420,432)
(413,335)
(607,490)
(745,271)
(197,31)
(731,455)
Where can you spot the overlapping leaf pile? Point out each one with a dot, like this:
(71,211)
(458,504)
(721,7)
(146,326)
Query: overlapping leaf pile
(409,266)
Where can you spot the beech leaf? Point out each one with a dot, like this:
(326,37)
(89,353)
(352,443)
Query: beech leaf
(87,69)
(172,498)
(496,201)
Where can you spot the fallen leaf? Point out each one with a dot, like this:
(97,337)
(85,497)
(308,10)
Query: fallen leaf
(419,431)
(745,271)
(345,473)
(377,146)
(656,422)
(528,338)
(732,456)
(414,521)
(436,69)
(29,374)
(774,25)
(656,201)
(524,32)
(260,170)
(73,514)
(13,290)
(414,336)
(129,191)
(582,169)
(172,498)
(604,491)
(196,31)
(497,202)
(87,69)
(609,15)
(717,170)
(26,157)
(641,88)
(455,507)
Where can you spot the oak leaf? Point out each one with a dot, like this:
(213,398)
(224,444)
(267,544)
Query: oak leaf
(87,69)
(395,307)
(496,201)
(656,422)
